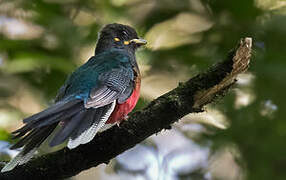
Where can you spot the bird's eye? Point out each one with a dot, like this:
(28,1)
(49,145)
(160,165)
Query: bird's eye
(116,39)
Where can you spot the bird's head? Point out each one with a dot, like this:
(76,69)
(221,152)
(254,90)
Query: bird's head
(118,36)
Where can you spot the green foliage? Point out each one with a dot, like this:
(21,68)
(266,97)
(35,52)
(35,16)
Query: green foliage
(4,134)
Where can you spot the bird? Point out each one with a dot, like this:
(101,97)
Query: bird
(102,91)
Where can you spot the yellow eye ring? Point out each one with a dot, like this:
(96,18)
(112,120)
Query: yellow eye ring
(116,39)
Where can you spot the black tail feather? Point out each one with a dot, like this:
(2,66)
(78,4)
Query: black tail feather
(74,126)
(86,123)
(56,108)
(77,123)
(64,115)
(24,140)
(38,138)
(69,125)
(93,116)
(93,121)
(46,121)
(41,125)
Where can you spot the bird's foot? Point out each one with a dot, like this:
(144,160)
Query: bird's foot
(125,117)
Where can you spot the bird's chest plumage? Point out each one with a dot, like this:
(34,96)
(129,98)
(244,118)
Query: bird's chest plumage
(121,110)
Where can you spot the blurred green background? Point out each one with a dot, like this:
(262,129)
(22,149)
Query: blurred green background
(42,41)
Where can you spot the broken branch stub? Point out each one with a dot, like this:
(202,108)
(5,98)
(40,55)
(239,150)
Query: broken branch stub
(240,63)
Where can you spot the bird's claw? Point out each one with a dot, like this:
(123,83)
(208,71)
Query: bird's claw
(124,119)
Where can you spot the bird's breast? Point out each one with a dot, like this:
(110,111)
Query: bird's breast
(121,110)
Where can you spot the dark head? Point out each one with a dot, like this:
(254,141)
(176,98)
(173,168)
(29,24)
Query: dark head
(118,36)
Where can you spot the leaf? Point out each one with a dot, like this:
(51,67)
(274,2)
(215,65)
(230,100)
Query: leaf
(180,30)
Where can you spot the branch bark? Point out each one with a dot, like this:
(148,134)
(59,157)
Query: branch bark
(188,97)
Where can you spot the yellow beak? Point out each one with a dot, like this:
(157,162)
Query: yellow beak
(139,41)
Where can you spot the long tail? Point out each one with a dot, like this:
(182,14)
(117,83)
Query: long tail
(91,125)
(77,124)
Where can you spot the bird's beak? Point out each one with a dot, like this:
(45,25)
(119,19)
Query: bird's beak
(139,41)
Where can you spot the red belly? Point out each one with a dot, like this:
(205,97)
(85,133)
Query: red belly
(121,110)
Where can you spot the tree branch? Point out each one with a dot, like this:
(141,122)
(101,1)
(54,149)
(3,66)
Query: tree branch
(188,97)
